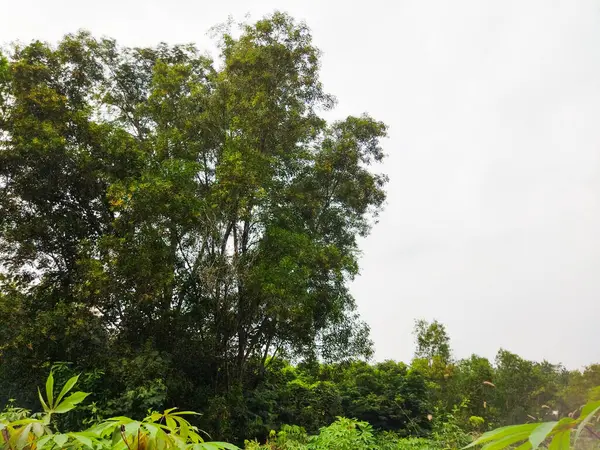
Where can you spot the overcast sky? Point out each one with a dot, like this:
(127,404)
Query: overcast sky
(493,212)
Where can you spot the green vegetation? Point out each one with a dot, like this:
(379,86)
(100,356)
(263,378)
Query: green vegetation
(21,430)
(181,231)
(558,434)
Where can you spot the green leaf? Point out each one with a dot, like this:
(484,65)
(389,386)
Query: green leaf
(50,389)
(540,434)
(102,429)
(41,442)
(23,436)
(161,440)
(589,408)
(182,413)
(184,430)
(561,441)
(120,419)
(44,405)
(38,429)
(153,417)
(131,429)
(215,446)
(116,436)
(151,429)
(27,421)
(225,445)
(501,432)
(566,423)
(84,440)
(587,417)
(70,402)
(506,442)
(171,423)
(524,446)
(64,407)
(67,387)
(61,439)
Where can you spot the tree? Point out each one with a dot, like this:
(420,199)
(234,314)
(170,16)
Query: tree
(152,203)
(472,385)
(525,388)
(388,395)
(580,387)
(433,360)
(432,341)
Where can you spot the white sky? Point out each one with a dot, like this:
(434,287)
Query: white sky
(494,112)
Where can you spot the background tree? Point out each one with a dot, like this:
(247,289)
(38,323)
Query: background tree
(433,359)
(432,341)
(472,386)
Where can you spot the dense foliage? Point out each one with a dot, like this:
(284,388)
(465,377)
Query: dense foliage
(21,430)
(182,231)
(174,223)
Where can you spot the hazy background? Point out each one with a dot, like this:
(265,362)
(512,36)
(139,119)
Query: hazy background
(494,153)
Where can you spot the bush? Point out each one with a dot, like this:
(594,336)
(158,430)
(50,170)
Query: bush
(344,434)
(21,430)
(391,441)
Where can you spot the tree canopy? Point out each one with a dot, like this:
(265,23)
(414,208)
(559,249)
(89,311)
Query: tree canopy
(156,202)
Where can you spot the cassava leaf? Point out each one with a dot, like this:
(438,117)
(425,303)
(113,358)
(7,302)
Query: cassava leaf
(44,405)
(83,439)
(61,439)
(66,388)
(499,433)
(506,441)
(561,441)
(50,390)
(540,434)
(587,417)
(69,402)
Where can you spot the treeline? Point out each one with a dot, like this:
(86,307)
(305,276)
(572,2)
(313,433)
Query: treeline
(434,396)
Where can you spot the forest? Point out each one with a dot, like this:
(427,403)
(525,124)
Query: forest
(177,231)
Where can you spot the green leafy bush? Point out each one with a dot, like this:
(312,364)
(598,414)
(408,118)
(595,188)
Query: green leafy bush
(21,430)
(391,441)
(344,434)
(290,437)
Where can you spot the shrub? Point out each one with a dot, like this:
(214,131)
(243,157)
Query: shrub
(21,430)
(344,434)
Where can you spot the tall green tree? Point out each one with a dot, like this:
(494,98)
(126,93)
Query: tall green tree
(433,359)
(154,202)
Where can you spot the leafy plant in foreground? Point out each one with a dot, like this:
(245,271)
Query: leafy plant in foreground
(557,434)
(168,430)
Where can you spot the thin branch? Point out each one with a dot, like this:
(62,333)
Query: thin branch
(592,432)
